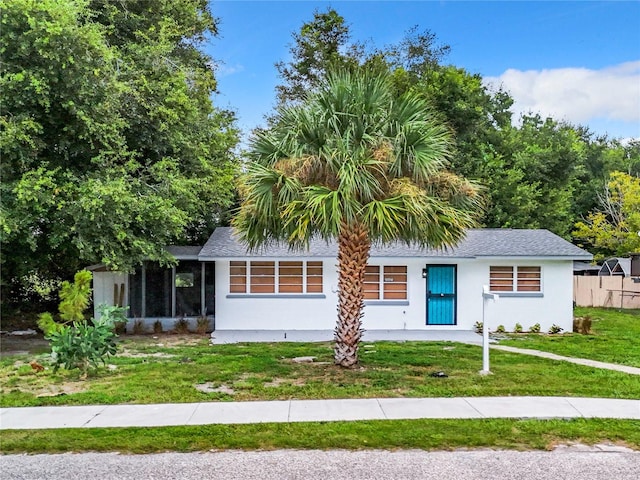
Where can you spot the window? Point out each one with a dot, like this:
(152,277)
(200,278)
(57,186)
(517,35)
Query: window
(391,285)
(263,277)
(238,277)
(515,279)
(286,277)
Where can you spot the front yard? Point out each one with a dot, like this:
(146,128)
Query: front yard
(615,338)
(173,368)
(170,369)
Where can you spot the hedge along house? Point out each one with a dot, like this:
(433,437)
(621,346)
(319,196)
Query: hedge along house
(406,288)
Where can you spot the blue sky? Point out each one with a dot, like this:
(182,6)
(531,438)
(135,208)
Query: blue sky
(578,61)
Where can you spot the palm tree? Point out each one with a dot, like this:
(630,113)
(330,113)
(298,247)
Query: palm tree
(355,163)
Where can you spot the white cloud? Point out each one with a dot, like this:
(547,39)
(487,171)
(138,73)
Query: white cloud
(223,70)
(577,95)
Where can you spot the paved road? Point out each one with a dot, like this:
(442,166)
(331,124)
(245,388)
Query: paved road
(563,464)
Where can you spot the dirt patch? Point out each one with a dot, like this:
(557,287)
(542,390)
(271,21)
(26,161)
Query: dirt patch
(209,388)
(129,354)
(14,345)
(278,382)
(165,339)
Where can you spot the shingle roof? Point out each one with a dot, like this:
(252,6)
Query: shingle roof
(477,243)
(184,252)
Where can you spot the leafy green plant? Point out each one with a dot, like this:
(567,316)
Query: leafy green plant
(47,324)
(535,328)
(517,328)
(478,326)
(83,344)
(555,329)
(74,297)
(500,329)
(74,300)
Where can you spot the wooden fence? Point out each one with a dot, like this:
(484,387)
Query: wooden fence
(615,292)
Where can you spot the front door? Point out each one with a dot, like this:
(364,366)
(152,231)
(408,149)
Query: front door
(441,294)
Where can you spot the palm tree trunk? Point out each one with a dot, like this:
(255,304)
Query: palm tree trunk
(353,254)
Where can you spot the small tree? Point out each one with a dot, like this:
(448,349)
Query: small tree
(354,163)
(76,342)
(614,229)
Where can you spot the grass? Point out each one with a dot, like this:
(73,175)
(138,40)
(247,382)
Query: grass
(615,338)
(154,371)
(388,434)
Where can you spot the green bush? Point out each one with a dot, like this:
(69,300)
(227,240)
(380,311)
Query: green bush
(85,344)
(478,326)
(74,300)
(555,329)
(517,328)
(500,329)
(535,328)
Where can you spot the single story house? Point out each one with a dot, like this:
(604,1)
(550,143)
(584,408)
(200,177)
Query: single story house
(406,287)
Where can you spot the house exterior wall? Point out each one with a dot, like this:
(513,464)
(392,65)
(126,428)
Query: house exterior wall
(103,289)
(296,312)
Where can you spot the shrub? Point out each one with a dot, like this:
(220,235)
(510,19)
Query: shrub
(500,329)
(478,326)
(74,300)
(83,344)
(181,326)
(202,325)
(535,328)
(517,328)
(138,327)
(157,326)
(582,325)
(74,297)
(555,329)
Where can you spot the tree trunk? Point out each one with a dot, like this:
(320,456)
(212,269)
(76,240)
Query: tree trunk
(353,254)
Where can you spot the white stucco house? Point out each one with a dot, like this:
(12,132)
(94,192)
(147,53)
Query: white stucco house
(406,288)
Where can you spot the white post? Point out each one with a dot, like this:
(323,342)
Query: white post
(485,330)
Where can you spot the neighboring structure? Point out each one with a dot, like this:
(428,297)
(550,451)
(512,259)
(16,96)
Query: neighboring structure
(406,288)
(585,269)
(616,267)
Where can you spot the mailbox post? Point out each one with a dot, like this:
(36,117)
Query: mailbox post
(486,296)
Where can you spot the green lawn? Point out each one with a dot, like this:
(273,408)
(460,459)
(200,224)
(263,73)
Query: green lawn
(615,338)
(153,371)
(386,434)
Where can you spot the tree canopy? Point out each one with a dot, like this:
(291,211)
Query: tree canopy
(539,172)
(614,227)
(111,147)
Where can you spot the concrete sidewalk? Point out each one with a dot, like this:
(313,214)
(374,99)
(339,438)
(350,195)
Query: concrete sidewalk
(315,411)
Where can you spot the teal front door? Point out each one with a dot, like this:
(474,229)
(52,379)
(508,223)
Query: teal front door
(441,294)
